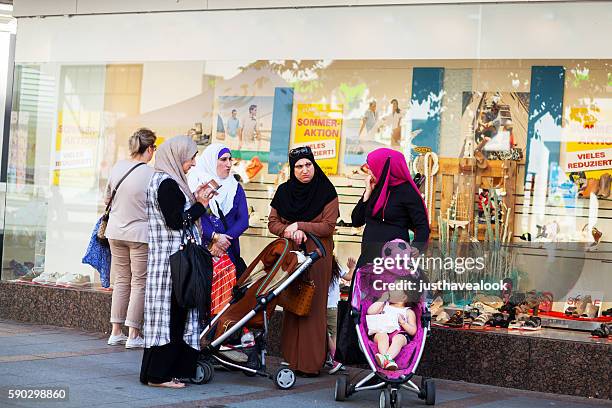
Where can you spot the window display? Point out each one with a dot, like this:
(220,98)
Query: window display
(513,159)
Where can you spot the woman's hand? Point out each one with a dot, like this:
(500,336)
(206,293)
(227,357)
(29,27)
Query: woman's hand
(203,195)
(223,241)
(370,182)
(292,228)
(216,251)
(298,237)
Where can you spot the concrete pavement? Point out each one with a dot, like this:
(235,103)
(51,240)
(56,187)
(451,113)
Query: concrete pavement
(100,375)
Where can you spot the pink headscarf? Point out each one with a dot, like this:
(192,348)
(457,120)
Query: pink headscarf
(397,174)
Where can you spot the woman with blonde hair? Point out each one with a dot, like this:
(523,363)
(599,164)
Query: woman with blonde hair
(128,236)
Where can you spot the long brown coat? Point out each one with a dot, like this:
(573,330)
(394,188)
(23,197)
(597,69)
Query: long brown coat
(304,339)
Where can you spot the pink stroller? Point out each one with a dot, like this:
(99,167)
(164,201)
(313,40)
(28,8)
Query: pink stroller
(366,290)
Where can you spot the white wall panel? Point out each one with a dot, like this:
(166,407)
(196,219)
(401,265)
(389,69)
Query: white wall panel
(402,32)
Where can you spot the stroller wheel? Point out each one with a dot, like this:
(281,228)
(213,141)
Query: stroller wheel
(396,399)
(384,401)
(204,373)
(284,378)
(430,392)
(340,393)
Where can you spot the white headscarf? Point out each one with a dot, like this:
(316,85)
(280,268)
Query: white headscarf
(206,170)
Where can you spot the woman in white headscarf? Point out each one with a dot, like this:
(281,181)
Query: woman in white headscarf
(171,333)
(228,217)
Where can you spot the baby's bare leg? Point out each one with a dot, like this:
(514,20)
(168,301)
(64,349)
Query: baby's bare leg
(397,343)
(382,341)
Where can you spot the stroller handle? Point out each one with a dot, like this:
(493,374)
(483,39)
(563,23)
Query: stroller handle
(320,248)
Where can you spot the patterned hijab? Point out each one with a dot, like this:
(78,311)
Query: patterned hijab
(170,157)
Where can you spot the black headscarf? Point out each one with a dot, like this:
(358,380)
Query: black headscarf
(297,201)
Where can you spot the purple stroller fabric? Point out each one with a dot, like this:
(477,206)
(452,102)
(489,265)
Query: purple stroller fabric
(364,294)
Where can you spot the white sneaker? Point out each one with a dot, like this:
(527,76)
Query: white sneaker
(117,340)
(64,279)
(47,278)
(136,342)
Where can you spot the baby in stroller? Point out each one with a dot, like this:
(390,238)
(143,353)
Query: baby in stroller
(392,324)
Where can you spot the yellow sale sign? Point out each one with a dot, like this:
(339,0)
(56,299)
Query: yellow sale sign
(319,125)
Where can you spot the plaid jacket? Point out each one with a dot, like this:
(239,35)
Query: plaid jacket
(163,242)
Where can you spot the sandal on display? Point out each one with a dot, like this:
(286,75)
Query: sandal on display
(526,236)
(603,331)
(533,323)
(592,186)
(442,318)
(456,320)
(482,320)
(516,324)
(500,320)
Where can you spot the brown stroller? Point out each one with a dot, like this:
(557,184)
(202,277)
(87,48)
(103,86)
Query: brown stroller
(254,298)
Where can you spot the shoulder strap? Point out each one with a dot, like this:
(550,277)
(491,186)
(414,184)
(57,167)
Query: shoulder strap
(119,183)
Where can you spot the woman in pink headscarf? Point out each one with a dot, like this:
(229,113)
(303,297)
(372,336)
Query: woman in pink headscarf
(390,207)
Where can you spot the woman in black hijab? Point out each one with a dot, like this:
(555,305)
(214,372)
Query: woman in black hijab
(308,202)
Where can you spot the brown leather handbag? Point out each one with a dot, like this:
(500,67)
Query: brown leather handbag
(297,297)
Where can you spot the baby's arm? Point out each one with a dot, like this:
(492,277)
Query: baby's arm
(376,308)
(409,325)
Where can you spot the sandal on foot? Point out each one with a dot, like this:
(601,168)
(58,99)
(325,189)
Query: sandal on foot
(391,364)
(380,360)
(169,384)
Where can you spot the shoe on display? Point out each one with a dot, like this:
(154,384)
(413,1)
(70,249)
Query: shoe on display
(136,342)
(239,168)
(19,269)
(80,281)
(117,340)
(603,331)
(533,323)
(590,311)
(47,278)
(592,186)
(604,186)
(255,220)
(72,279)
(253,167)
(34,273)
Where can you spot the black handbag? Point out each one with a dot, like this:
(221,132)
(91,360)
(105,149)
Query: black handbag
(191,270)
(239,263)
(347,342)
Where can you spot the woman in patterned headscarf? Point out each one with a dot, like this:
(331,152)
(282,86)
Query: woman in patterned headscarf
(171,333)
